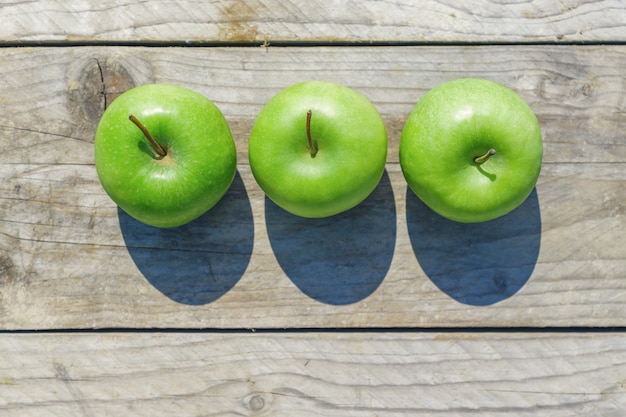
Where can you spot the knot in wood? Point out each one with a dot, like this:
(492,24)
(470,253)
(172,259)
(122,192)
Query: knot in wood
(96,82)
(256,403)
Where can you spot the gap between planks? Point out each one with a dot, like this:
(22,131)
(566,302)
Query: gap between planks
(343,330)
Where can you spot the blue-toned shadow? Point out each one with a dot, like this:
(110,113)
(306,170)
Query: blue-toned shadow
(477,264)
(201,261)
(341,259)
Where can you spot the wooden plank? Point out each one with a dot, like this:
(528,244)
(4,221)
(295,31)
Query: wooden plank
(365,21)
(71,260)
(51,95)
(313,374)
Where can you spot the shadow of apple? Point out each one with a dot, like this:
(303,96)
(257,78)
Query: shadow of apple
(341,259)
(477,264)
(199,262)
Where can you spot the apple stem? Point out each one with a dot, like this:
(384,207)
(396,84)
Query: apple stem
(312,147)
(157,148)
(480,159)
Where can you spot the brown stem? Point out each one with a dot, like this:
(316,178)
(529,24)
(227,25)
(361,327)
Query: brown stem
(157,148)
(480,159)
(312,147)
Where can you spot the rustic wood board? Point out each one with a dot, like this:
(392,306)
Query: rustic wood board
(69,259)
(313,374)
(364,21)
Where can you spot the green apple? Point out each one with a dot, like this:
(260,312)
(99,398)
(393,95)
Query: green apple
(318,148)
(471,150)
(164,154)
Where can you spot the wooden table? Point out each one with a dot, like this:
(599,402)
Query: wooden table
(386,310)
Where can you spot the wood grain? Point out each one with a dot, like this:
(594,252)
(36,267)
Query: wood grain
(313,374)
(70,259)
(52,95)
(262,21)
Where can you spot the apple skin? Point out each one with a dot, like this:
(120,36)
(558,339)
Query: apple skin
(195,174)
(454,123)
(352,149)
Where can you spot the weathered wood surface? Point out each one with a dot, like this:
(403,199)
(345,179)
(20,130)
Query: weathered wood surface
(313,374)
(364,21)
(69,259)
